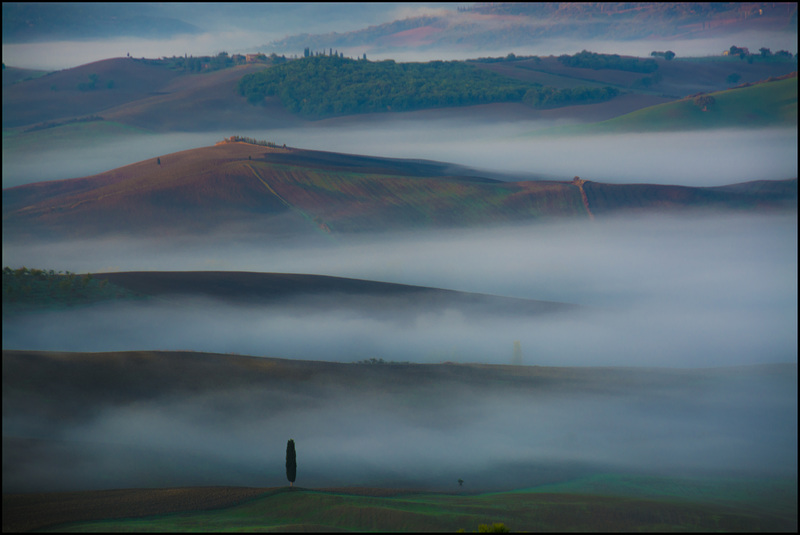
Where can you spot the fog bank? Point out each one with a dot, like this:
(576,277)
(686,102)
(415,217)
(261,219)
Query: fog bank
(410,432)
(658,291)
(710,158)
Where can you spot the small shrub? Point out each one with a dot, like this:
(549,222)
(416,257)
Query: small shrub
(497,527)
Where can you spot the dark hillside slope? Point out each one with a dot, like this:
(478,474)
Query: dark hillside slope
(316,290)
(184,193)
(138,93)
(763,194)
(248,185)
(203,102)
(237,183)
(58,95)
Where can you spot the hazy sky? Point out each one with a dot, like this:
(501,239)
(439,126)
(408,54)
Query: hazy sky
(231,27)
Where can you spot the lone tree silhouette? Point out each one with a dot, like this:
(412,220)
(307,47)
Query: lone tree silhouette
(291,462)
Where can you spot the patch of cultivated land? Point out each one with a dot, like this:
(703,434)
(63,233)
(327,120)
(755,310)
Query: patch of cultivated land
(259,187)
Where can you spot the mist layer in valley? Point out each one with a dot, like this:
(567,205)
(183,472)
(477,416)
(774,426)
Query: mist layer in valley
(74,422)
(686,291)
(495,147)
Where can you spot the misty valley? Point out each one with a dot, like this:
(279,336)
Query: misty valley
(487,266)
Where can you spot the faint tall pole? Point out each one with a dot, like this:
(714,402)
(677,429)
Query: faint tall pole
(516,360)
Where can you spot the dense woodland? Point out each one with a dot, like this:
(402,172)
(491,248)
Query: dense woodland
(323,86)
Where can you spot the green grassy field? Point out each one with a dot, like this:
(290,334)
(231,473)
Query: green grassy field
(598,503)
(757,106)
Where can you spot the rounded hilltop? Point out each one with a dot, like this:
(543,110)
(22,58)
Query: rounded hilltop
(251,141)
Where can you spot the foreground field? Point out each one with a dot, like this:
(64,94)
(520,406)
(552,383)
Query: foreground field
(601,503)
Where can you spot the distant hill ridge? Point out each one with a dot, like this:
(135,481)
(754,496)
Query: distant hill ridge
(276,189)
(497,25)
(148,94)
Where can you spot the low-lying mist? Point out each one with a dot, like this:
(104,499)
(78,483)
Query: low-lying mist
(670,292)
(711,158)
(397,429)
(687,291)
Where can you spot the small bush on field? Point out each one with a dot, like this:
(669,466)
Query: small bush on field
(497,527)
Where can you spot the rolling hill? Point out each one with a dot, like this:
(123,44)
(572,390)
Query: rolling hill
(766,104)
(273,190)
(36,291)
(155,95)
(145,94)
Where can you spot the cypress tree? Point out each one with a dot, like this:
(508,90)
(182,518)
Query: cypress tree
(291,462)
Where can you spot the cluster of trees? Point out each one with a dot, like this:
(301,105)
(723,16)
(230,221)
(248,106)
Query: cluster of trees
(668,55)
(323,86)
(763,54)
(549,97)
(254,141)
(592,60)
(211,63)
(510,57)
(704,102)
(307,53)
(373,360)
(23,287)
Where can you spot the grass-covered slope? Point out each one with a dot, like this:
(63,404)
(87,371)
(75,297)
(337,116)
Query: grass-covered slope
(312,510)
(771,103)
